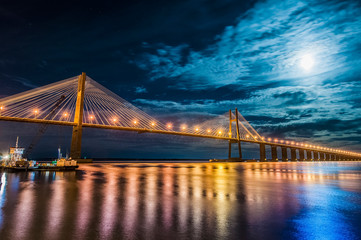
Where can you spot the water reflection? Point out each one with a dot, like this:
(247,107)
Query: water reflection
(183,201)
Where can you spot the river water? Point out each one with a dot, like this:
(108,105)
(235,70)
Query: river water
(184,201)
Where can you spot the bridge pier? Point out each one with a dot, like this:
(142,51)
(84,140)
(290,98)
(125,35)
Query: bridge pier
(316,156)
(274,153)
(302,154)
(308,155)
(293,155)
(327,157)
(322,156)
(262,152)
(284,154)
(75,150)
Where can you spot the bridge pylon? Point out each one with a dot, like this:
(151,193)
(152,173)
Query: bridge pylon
(238,136)
(75,150)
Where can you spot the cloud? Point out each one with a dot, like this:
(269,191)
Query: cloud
(140,90)
(266,45)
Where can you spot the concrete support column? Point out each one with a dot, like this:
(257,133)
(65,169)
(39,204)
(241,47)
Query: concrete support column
(75,149)
(322,156)
(337,157)
(302,154)
(293,155)
(274,153)
(284,154)
(328,157)
(262,152)
(316,156)
(309,155)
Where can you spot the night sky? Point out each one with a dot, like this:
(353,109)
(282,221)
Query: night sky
(291,67)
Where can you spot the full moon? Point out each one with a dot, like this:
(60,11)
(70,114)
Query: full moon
(307,62)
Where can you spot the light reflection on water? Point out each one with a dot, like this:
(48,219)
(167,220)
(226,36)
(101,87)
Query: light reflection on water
(184,201)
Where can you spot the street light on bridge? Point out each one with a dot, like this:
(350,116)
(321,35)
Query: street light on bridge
(36,111)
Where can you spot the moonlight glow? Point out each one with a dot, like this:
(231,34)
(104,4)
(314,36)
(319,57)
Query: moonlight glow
(307,62)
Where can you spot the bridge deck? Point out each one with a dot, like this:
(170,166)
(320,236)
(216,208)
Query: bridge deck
(144,130)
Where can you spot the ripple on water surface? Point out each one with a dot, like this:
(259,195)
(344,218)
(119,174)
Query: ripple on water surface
(184,201)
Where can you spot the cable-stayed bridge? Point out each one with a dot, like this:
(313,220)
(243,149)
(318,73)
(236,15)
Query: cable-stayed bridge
(82,102)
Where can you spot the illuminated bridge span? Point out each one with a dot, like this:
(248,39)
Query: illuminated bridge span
(82,102)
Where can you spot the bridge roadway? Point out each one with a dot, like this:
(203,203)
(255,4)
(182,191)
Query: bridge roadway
(324,155)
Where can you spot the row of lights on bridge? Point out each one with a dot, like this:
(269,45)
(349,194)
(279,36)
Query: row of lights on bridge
(183,127)
(308,145)
(170,126)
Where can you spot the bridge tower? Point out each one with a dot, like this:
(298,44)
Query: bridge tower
(75,150)
(238,136)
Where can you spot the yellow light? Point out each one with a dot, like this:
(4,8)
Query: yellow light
(281,141)
(263,138)
(255,137)
(36,111)
(269,139)
(292,142)
(169,125)
(153,124)
(114,119)
(220,132)
(247,136)
(287,142)
(276,140)
(1,108)
(306,145)
(209,130)
(91,117)
(135,121)
(296,144)
(197,129)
